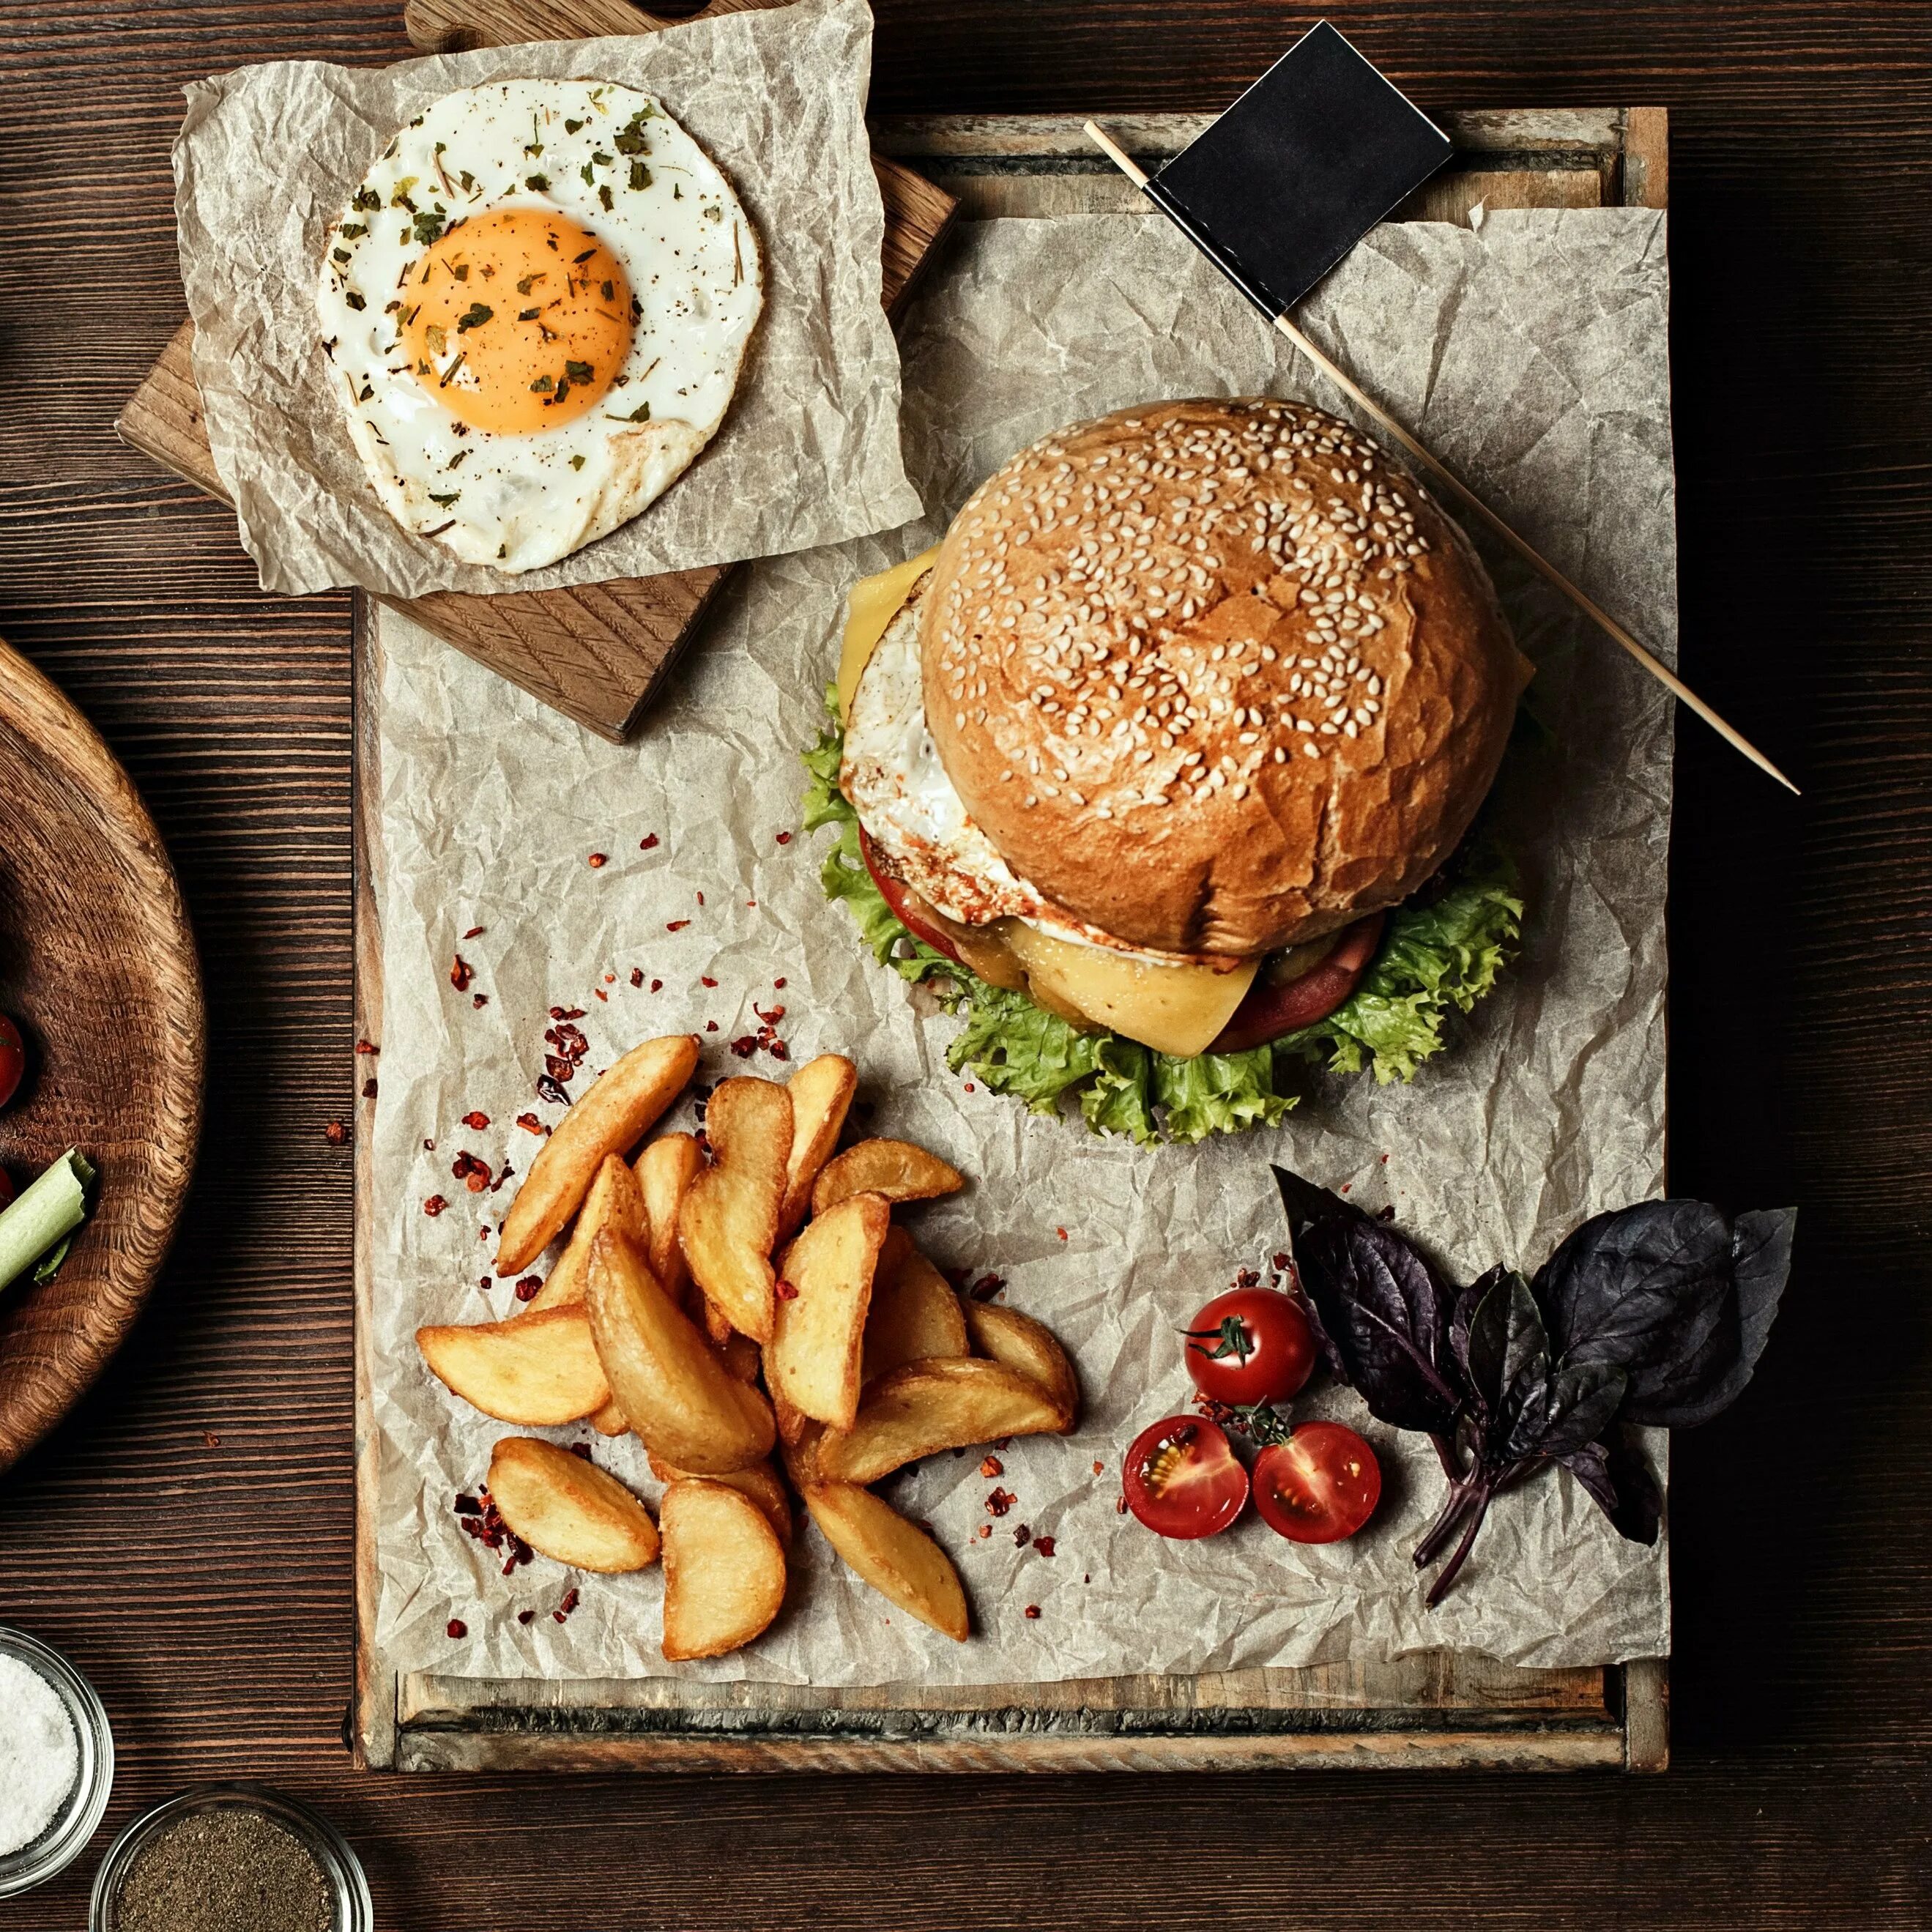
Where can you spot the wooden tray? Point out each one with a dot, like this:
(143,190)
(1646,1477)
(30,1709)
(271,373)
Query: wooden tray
(1435,1708)
(97,965)
(598,651)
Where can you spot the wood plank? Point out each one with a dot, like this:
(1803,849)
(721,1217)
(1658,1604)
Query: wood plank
(595,651)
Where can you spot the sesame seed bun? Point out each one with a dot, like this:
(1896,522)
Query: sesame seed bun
(1216,676)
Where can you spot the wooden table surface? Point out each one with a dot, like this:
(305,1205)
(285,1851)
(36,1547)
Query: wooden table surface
(185,1536)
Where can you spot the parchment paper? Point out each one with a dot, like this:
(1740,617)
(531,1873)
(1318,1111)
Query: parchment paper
(1532,352)
(808,454)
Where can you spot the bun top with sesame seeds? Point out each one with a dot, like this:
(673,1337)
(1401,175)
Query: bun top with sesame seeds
(1216,675)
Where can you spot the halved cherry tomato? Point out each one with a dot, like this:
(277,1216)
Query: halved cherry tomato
(1182,1479)
(13,1059)
(904,906)
(1250,1345)
(1269,1011)
(1321,1485)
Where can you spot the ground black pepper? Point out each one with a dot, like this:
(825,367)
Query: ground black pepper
(228,1870)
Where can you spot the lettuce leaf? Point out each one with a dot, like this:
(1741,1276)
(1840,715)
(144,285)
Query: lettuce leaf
(1433,959)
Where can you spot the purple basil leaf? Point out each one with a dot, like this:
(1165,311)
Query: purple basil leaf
(1672,1294)
(1617,1479)
(1582,1403)
(1382,1315)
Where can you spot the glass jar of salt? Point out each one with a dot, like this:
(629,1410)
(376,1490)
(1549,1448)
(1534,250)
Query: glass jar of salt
(56,1761)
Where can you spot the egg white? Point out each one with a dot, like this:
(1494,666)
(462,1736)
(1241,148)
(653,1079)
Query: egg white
(516,503)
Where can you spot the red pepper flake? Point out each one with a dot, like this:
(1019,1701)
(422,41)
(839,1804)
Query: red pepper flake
(1247,1278)
(1033,1610)
(1386,1213)
(1022,1536)
(1000,1501)
(1061,1232)
(335,1133)
(531,1124)
(364,1046)
(460,972)
(992,1466)
(610,979)
(970,1088)
(1120,1505)
(1346,1185)
(479,1000)
(657,985)
(986,1530)
(527,1616)
(648,843)
(986,1287)
(456,1626)
(778,1049)
(600,994)
(771,1018)
(598,860)
(474,1174)
(710,1026)
(744,1045)
(474,932)
(213,1441)
(672,925)
(705,979)
(750,905)
(1385,1160)
(787,1292)
(529,1287)
(581,1450)
(1044,1544)
(700,898)
(636,975)
(434,1206)
(562,1611)
(778,986)
(784,838)
(1281,1261)
(1098,1467)
(475,1120)
(484,1284)
(368,1090)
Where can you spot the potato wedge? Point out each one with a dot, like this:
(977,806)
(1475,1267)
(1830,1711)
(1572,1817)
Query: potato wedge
(925,1407)
(914,1315)
(897,1169)
(1005,1335)
(729,1222)
(615,1199)
(613,1116)
(821,1094)
(818,1330)
(564,1508)
(536,1370)
(760,1482)
(664,1169)
(724,1569)
(610,1420)
(678,1396)
(897,1557)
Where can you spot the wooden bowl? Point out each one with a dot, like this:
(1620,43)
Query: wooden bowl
(97,966)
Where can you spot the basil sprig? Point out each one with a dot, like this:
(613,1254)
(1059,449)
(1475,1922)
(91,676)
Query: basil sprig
(1653,1316)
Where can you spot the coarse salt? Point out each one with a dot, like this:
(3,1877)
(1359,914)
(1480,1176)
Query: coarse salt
(39,1756)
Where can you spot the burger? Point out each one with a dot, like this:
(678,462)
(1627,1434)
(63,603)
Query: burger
(1162,767)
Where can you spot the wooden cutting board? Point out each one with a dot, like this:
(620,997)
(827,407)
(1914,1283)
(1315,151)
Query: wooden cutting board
(596,652)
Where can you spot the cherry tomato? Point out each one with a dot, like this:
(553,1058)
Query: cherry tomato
(13,1059)
(905,905)
(1182,1479)
(1250,1345)
(1321,1485)
(1269,1011)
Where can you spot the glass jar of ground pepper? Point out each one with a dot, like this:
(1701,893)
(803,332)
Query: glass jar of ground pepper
(231,1857)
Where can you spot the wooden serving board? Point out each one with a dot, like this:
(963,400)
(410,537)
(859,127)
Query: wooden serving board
(1426,1710)
(596,652)
(97,966)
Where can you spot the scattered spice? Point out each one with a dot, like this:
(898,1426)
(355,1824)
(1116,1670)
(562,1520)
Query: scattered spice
(986,1287)
(784,838)
(657,985)
(363,1046)
(673,926)
(456,1626)
(1022,1536)
(213,1441)
(1033,1610)
(710,1026)
(461,973)
(335,1133)
(475,1121)
(1061,1232)
(598,860)
(1000,1501)
(778,986)
(531,1124)
(705,979)
(787,1292)
(992,1466)
(561,1614)
(648,843)
(230,1870)
(474,1174)
(482,1520)
(528,1287)
(986,1530)
(636,975)
(434,1206)
(368,1090)
(1098,1467)
(527,1616)
(1044,1544)
(479,1000)
(474,932)
(970,1088)
(744,1045)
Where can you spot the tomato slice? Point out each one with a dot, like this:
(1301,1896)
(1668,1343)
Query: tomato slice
(1250,1345)
(1270,1011)
(1182,1478)
(1321,1485)
(905,908)
(13,1060)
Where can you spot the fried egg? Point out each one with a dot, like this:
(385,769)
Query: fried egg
(537,306)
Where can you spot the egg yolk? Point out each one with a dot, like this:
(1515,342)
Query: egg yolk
(516,320)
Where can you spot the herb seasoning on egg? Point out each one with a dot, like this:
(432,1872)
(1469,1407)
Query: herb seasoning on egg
(230,1871)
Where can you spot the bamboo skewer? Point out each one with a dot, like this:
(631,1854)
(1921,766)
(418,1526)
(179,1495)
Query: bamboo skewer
(1669,678)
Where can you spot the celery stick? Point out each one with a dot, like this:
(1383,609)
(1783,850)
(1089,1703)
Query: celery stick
(46,1213)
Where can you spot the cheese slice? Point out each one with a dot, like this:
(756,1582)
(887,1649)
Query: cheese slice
(1176,1009)
(870,608)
